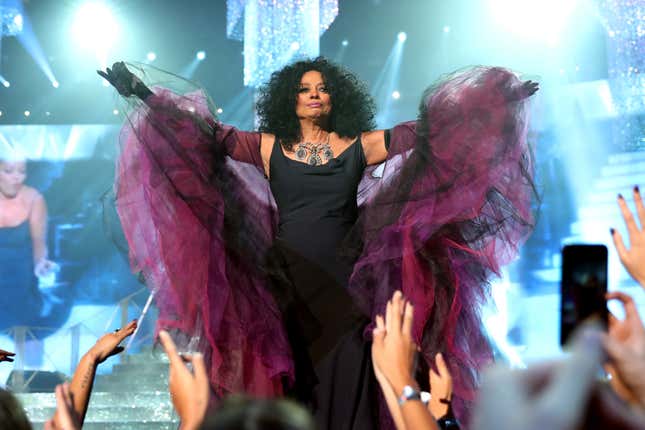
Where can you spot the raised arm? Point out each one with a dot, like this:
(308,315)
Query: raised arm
(83,379)
(185,118)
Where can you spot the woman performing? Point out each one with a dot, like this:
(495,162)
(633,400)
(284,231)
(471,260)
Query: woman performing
(272,251)
(23,244)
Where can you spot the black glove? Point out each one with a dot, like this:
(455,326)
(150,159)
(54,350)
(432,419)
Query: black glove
(125,82)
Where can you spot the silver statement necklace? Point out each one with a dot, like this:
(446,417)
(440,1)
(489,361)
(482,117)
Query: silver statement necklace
(314,154)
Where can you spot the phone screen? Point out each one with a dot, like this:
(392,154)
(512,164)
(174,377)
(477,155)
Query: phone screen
(583,287)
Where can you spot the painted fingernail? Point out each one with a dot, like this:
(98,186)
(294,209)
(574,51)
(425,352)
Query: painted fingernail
(612,231)
(636,189)
(620,196)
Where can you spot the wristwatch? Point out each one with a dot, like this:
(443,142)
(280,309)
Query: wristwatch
(409,393)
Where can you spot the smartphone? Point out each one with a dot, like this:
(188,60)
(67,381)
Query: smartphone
(583,287)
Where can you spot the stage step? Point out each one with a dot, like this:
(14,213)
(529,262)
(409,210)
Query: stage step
(133,396)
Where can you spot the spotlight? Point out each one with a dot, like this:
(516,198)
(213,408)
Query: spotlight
(0,113)
(541,21)
(201,55)
(27,113)
(396,95)
(345,42)
(446,29)
(115,112)
(55,84)
(17,20)
(220,110)
(577,68)
(402,36)
(151,56)
(6,84)
(48,113)
(94,26)
(295,46)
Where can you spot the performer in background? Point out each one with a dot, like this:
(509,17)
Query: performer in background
(273,251)
(23,244)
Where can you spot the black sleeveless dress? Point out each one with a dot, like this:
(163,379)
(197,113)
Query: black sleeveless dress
(18,284)
(317,208)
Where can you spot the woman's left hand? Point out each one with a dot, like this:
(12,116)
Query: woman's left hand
(44,267)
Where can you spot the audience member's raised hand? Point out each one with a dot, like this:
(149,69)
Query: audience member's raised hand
(108,344)
(393,349)
(6,356)
(544,397)
(65,417)
(189,391)
(633,258)
(625,345)
(440,388)
(393,353)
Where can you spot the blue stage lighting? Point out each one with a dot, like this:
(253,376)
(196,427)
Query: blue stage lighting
(151,56)
(55,84)
(27,113)
(402,36)
(6,84)
(446,29)
(396,95)
(345,42)
(200,55)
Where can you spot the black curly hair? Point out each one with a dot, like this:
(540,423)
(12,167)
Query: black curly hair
(352,106)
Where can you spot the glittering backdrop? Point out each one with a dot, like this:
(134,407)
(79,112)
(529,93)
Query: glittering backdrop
(276,31)
(625,24)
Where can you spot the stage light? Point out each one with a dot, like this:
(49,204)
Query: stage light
(151,56)
(6,84)
(55,84)
(577,68)
(220,111)
(94,27)
(534,20)
(345,42)
(402,36)
(295,46)
(18,21)
(48,113)
(201,55)
(396,95)
(446,29)
(0,113)
(27,113)
(115,112)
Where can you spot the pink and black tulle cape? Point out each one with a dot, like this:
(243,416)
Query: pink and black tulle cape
(449,206)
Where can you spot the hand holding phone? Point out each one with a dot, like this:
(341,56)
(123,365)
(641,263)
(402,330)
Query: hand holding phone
(583,287)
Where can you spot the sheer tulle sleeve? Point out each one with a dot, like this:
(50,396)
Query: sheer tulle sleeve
(450,205)
(199,218)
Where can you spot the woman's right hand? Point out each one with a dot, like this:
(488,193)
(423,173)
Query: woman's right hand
(120,78)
